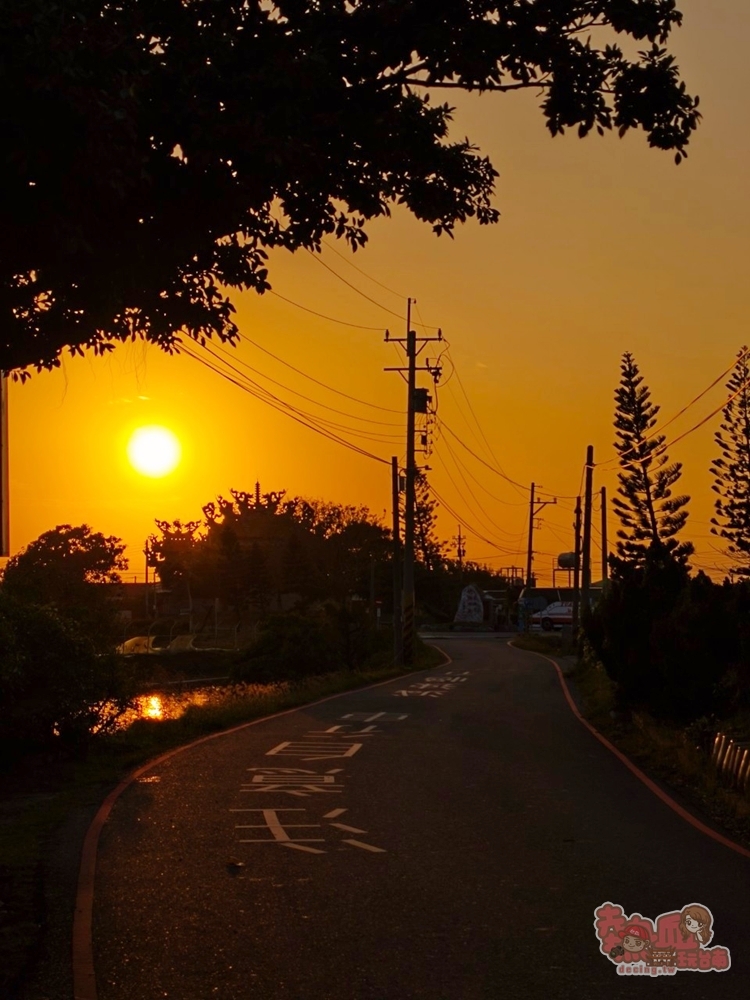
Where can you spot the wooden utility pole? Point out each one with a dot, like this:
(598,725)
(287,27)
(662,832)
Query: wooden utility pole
(587,504)
(605,553)
(577,566)
(411,478)
(416,399)
(460,553)
(530,549)
(398,637)
(4,484)
(534,507)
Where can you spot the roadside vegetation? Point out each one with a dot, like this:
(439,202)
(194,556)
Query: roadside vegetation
(663,660)
(301,580)
(43,789)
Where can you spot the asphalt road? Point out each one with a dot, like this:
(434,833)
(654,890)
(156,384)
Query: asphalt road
(454,848)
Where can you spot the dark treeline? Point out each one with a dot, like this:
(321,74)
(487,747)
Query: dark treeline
(302,579)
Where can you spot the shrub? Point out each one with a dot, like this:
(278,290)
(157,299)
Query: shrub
(668,640)
(296,644)
(55,688)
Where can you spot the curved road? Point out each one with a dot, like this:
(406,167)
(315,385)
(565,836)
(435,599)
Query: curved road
(447,836)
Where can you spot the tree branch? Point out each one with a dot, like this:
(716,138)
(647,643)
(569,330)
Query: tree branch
(503,87)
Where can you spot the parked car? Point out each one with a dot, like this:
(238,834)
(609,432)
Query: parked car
(554,616)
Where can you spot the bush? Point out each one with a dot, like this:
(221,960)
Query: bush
(295,644)
(55,688)
(670,641)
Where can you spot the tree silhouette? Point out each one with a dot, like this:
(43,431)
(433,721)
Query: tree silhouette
(731,470)
(62,570)
(428,548)
(155,150)
(650,516)
(62,566)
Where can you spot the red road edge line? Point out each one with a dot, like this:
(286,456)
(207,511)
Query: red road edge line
(652,786)
(84,977)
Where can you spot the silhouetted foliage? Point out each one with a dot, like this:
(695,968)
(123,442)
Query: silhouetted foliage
(155,150)
(731,470)
(650,516)
(294,644)
(55,689)
(63,569)
(253,548)
(674,645)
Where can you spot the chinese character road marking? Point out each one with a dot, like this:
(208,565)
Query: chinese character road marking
(273,825)
(314,750)
(375,717)
(280,835)
(341,731)
(365,847)
(432,687)
(292,781)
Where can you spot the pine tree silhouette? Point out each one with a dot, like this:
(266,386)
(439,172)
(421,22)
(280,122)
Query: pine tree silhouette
(731,471)
(650,516)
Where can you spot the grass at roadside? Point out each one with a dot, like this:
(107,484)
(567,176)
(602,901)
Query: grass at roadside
(42,792)
(548,643)
(664,751)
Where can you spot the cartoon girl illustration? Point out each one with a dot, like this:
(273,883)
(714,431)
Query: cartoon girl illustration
(696,920)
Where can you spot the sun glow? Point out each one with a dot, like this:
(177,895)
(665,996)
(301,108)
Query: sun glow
(153,451)
(151,707)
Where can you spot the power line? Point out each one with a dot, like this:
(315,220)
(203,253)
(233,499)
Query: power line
(353,287)
(464,523)
(497,472)
(376,436)
(460,465)
(318,430)
(324,385)
(481,431)
(343,413)
(668,444)
(684,409)
(331,319)
(486,518)
(375,281)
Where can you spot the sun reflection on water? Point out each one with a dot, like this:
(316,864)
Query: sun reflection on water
(151,707)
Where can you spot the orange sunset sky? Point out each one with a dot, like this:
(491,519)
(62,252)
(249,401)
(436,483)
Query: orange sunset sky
(603,246)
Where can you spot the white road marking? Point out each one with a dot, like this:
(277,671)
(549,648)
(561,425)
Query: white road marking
(314,750)
(367,717)
(348,829)
(334,813)
(365,847)
(274,826)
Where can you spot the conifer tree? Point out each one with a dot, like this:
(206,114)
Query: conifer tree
(650,516)
(429,549)
(731,471)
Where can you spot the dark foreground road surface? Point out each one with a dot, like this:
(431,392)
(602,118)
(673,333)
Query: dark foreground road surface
(450,843)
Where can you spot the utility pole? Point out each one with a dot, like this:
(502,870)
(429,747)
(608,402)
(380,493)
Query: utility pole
(587,504)
(530,549)
(577,566)
(534,507)
(460,553)
(398,637)
(146,554)
(605,553)
(4,484)
(417,400)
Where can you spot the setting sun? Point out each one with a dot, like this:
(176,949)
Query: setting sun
(153,451)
